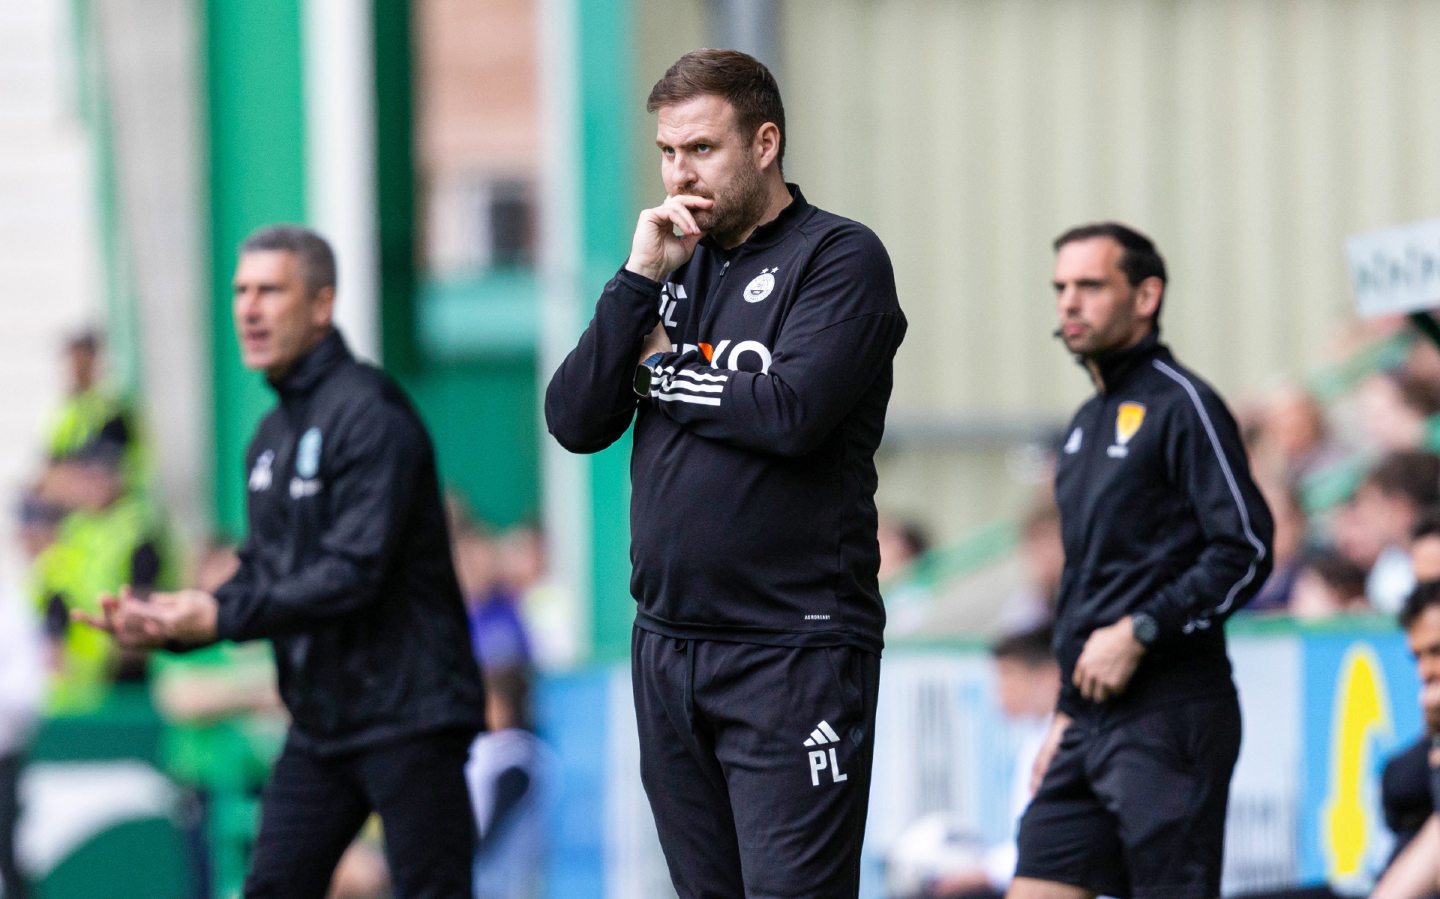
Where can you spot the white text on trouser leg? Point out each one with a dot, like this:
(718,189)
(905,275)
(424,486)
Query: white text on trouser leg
(819,761)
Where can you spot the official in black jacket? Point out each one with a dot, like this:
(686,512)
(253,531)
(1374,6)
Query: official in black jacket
(347,570)
(1165,536)
(757,405)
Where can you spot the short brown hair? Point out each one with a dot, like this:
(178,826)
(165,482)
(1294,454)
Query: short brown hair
(738,78)
(317,260)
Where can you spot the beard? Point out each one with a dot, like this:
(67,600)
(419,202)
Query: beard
(738,208)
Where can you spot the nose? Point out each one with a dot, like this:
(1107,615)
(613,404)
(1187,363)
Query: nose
(680,173)
(1429,668)
(245,304)
(1066,300)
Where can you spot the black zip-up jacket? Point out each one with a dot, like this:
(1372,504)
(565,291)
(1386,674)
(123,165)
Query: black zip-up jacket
(752,513)
(1158,515)
(347,568)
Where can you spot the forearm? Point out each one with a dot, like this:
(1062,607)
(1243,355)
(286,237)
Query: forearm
(812,383)
(589,402)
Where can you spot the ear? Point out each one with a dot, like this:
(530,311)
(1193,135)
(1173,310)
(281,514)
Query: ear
(766,145)
(322,307)
(1147,297)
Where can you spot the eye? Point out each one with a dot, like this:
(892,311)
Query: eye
(702,148)
(667,152)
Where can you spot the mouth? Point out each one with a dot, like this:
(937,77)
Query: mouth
(1071,330)
(252,339)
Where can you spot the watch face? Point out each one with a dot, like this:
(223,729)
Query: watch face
(1144,628)
(643,378)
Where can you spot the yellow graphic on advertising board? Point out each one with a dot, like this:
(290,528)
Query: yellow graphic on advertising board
(1362,714)
(1128,421)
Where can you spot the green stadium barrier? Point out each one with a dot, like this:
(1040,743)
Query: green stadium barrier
(98,810)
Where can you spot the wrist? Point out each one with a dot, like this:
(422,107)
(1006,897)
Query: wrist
(1144,629)
(652,271)
(646,374)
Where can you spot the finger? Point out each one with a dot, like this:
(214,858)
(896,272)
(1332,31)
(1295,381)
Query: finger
(87,619)
(680,217)
(690,201)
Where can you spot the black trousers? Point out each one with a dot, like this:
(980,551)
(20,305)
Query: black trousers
(756,760)
(314,806)
(10,878)
(1137,808)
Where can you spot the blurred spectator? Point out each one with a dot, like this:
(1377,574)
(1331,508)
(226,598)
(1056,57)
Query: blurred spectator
(1293,442)
(1042,556)
(93,414)
(1398,410)
(1027,684)
(1291,528)
(492,601)
(1327,584)
(902,542)
(21,686)
(1405,793)
(510,776)
(1415,871)
(1425,546)
(107,537)
(1387,504)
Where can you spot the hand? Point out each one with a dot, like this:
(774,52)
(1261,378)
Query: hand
(188,616)
(1058,726)
(665,237)
(1108,661)
(123,617)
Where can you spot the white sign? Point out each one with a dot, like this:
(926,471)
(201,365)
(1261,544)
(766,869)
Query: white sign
(1396,269)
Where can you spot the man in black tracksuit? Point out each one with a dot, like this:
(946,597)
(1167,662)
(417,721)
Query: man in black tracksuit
(1165,536)
(758,405)
(347,570)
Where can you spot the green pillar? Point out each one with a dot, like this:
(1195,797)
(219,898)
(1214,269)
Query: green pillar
(607,96)
(395,183)
(256,120)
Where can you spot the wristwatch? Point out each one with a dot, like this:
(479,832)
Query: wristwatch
(1145,628)
(645,374)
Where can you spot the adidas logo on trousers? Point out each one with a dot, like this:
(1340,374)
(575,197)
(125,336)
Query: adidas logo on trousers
(821,759)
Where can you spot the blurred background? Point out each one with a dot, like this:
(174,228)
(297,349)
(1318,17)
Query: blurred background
(478,165)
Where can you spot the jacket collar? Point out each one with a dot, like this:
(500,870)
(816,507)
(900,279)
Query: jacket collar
(310,369)
(1111,370)
(773,230)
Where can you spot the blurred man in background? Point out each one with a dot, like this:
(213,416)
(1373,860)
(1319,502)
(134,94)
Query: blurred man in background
(761,396)
(1388,503)
(347,570)
(1415,872)
(1165,536)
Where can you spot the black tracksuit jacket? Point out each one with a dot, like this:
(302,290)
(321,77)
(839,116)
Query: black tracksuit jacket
(752,514)
(347,568)
(1159,515)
